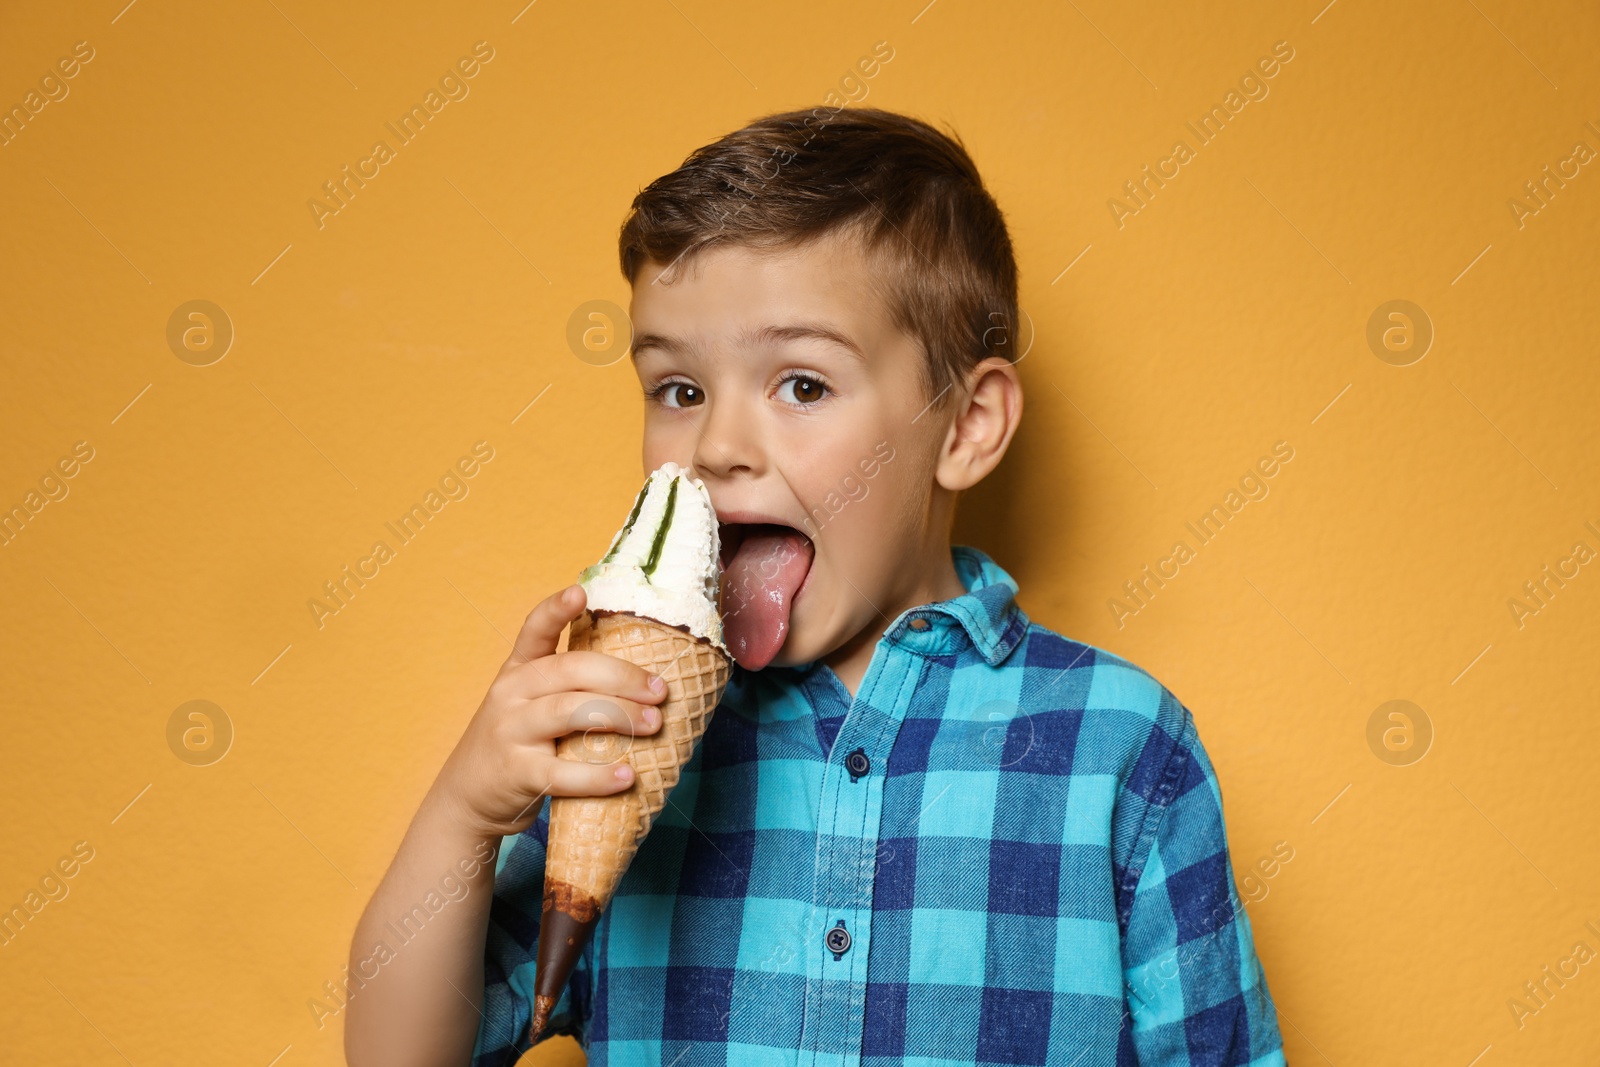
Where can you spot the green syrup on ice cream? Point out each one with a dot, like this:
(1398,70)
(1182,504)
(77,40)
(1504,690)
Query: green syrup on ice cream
(650,564)
(627,527)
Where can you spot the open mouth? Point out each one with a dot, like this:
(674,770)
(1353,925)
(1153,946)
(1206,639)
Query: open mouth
(764,567)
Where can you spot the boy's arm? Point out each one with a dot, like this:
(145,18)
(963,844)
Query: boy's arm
(419,949)
(1193,983)
(435,979)
(474,968)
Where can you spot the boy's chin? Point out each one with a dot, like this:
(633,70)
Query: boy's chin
(814,632)
(801,646)
(804,645)
(794,655)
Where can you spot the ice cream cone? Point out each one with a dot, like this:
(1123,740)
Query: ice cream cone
(652,600)
(593,839)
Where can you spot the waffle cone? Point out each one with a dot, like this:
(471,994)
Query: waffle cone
(593,839)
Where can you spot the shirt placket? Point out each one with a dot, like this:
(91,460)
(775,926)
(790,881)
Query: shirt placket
(849,819)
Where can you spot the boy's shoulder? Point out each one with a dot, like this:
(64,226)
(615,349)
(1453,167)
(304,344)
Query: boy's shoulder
(1115,711)
(1101,699)
(1093,720)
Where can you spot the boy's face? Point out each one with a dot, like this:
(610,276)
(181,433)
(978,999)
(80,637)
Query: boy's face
(819,461)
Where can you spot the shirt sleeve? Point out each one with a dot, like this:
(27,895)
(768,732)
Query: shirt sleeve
(510,951)
(1193,984)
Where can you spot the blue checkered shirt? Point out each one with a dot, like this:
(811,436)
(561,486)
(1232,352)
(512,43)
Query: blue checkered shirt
(1007,848)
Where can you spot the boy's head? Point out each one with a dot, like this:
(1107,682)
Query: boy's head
(824,313)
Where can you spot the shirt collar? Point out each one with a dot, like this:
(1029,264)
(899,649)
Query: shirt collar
(986,615)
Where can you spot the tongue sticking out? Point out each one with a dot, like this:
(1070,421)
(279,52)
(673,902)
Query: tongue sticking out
(758,587)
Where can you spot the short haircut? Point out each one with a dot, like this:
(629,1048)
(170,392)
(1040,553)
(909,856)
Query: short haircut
(936,240)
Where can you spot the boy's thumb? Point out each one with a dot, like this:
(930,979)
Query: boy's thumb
(541,632)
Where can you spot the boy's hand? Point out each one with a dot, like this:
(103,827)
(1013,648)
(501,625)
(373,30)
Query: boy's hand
(506,762)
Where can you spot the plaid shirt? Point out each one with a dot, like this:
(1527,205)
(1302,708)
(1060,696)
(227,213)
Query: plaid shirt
(1008,848)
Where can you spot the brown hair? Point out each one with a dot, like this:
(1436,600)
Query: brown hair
(910,193)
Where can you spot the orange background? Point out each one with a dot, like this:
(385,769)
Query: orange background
(1229,313)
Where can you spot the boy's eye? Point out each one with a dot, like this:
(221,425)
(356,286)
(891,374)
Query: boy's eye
(680,394)
(802,389)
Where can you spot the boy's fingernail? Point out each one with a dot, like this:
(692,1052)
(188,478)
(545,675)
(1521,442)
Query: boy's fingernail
(658,684)
(652,717)
(623,772)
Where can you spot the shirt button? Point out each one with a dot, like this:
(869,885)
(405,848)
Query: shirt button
(838,940)
(858,763)
(919,623)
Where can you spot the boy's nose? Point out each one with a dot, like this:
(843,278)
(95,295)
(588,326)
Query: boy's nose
(727,444)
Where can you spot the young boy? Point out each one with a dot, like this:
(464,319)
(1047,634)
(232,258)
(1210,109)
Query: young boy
(920,828)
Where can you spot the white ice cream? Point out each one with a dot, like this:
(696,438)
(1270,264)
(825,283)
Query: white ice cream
(663,562)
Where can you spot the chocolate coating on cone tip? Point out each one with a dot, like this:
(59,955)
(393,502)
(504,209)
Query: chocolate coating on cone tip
(569,919)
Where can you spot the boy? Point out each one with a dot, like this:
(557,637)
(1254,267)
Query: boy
(920,828)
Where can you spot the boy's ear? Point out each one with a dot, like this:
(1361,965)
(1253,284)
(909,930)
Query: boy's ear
(987,415)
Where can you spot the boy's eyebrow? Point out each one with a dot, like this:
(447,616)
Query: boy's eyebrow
(766,335)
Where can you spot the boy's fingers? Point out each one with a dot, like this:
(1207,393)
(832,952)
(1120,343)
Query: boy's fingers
(568,713)
(571,778)
(593,672)
(541,631)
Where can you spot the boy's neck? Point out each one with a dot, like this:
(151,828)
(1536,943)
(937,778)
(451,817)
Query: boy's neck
(936,580)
